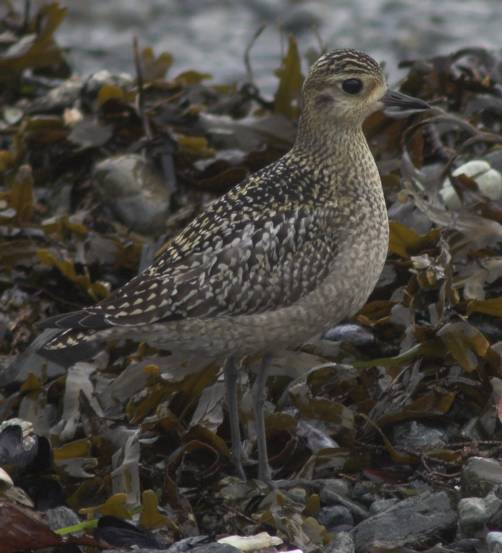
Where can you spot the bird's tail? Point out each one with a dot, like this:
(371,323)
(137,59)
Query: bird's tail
(40,351)
(68,346)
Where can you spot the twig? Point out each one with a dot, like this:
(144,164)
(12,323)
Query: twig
(247,53)
(141,96)
(26,16)
(317,33)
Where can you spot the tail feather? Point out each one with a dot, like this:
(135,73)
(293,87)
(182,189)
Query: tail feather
(70,338)
(83,319)
(67,346)
(39,352)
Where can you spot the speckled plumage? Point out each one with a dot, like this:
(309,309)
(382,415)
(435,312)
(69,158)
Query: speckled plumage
(289,252)
(286,254)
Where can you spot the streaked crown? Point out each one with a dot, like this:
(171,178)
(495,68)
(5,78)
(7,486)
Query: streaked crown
(346,61)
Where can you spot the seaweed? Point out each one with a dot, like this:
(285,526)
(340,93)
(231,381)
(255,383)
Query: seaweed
(141,435)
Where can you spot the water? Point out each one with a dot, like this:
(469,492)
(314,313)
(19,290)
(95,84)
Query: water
(211,35)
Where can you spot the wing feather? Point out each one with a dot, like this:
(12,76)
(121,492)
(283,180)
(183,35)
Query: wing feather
(261,265)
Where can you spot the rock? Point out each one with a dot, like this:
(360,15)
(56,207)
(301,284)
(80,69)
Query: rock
(480,476)
(450,197)
(472,514)
(475,512)
(187,545)
(494,499)
(494,158)
(57,99)
(489,182)
(381,505)
(330,497)
(342,543)
(472,168)
(337,485)
(351,333)
(95,82)
(494,542)
(412,522)
(134,192)
(215,548)
(315,436)
(18,444)
(298,494)
(418,436)
(60,517)
(366,492)
(335,516)
(5,480)
(255,542)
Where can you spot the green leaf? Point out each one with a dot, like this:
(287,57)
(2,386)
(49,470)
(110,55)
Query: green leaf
(465,344)
(491,307)
(404,241)
(20,195)
(290,82)
(35,50)
(155,67)
(191,77)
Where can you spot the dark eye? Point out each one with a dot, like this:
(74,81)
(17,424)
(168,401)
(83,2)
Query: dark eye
(352,86)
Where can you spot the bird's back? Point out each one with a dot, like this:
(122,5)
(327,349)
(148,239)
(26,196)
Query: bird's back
(293,249)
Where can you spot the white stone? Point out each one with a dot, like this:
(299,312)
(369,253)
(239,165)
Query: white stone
(449,196)
(490,184)
(5,480)
(251,543)
(472,168)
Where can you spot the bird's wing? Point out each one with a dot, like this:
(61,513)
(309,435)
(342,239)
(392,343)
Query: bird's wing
(239,266)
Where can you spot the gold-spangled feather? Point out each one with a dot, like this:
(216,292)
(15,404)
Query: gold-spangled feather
(290,251)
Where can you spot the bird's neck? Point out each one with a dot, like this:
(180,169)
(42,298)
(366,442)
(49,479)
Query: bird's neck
(325,138)
(340,154)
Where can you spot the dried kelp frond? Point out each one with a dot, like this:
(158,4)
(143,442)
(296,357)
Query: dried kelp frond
(97,174)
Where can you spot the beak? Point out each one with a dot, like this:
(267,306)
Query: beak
(393,99)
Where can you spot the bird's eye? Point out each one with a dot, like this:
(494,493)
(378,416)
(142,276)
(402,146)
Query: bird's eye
(352,86)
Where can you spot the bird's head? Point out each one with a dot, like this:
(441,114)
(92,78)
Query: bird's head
(345,86)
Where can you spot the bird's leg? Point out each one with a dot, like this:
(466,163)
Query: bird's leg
(231,374)
(264,472)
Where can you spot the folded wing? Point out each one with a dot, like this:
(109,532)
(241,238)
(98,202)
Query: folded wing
(236,266)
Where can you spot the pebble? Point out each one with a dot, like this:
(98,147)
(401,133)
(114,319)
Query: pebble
(472,514)
(330,497)
(412,521)
(489,182)
(134,192)
(215,548)
(365,492)
(351,333)
(337,485)
(494,542)
(475,512)
(381,505)
(418,436)
(343,542)
(60,517)
(480,476)
(335,516)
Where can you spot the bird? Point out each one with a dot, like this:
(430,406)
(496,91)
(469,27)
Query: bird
(286,254)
